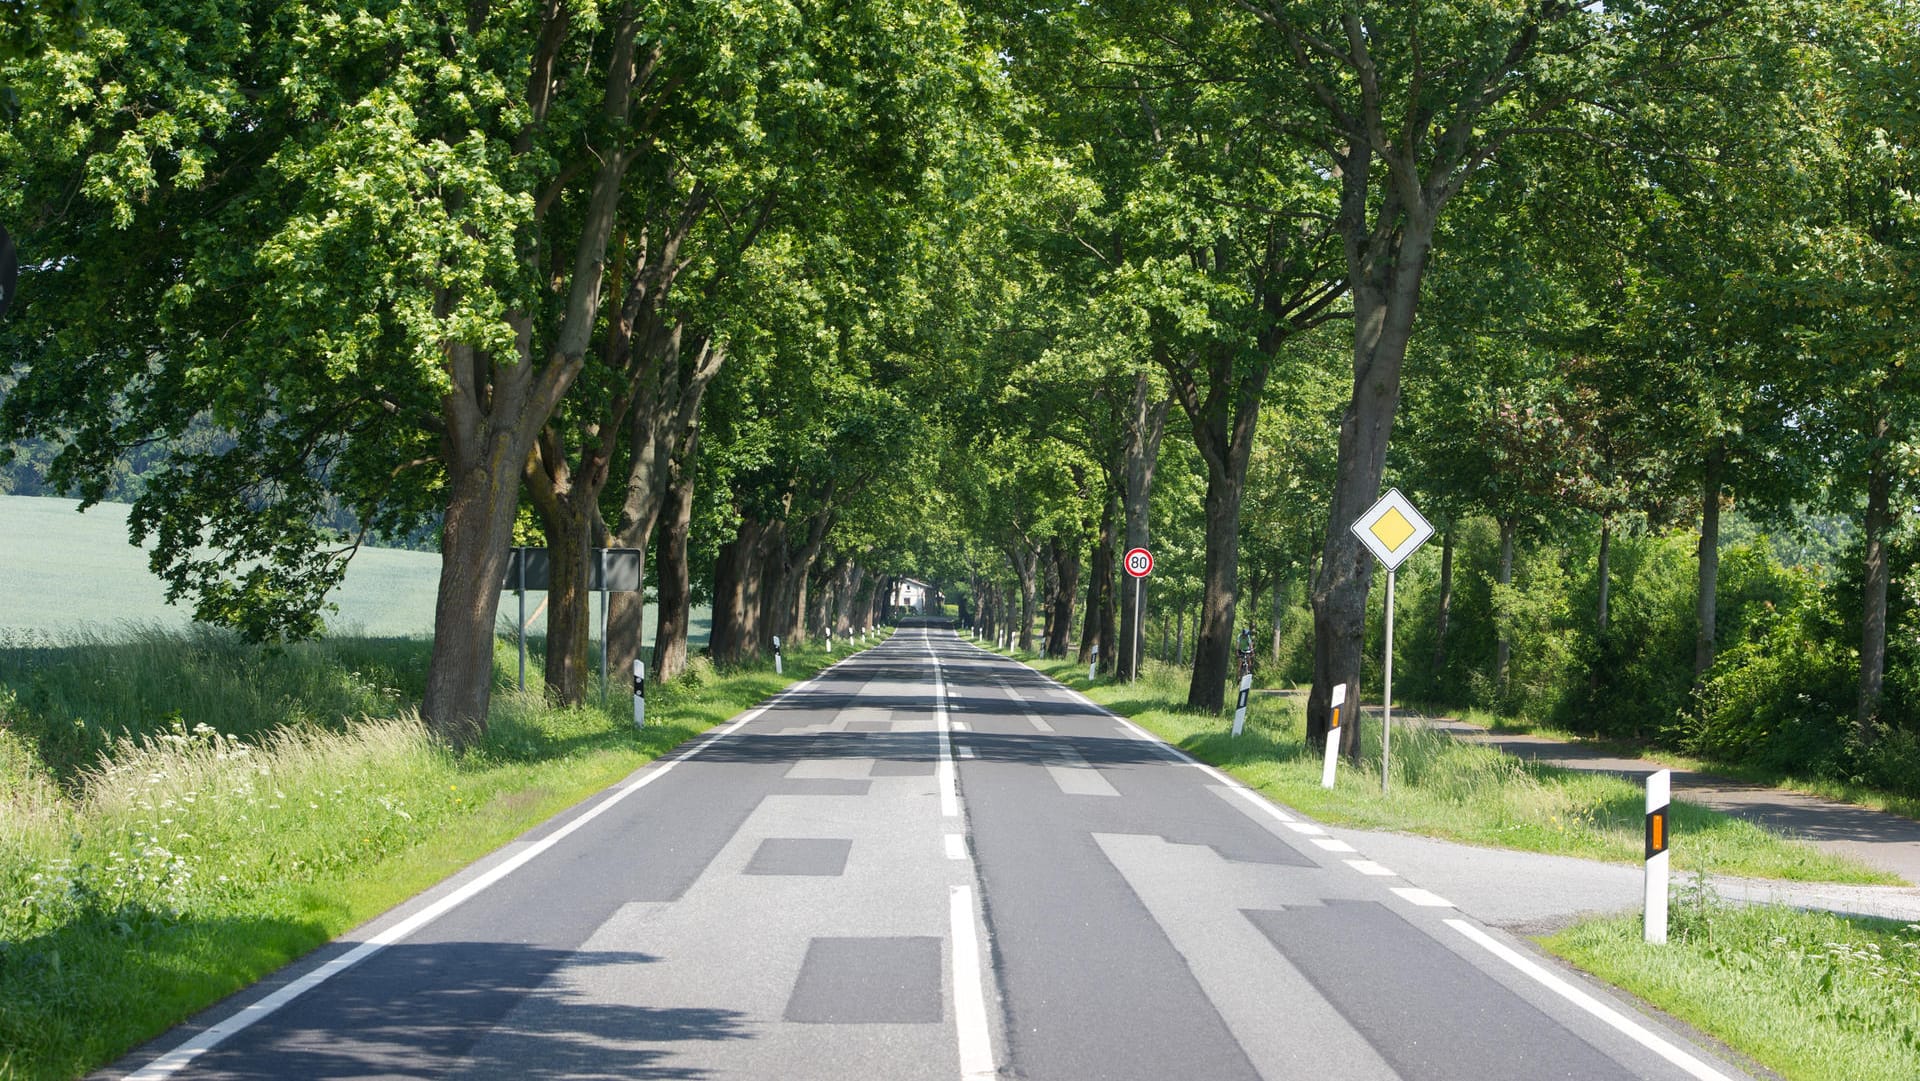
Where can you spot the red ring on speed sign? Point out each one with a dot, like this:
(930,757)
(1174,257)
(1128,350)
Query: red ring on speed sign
(1139,562)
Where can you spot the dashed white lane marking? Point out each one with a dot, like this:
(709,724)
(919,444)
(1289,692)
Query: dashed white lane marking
(1414,895)
(1370,868)
(1075,776)
(1333,845)
(960,726)
(969,999)
(1307,828)
(1613,1018)
(1039,724)
(956,846)
(966,750)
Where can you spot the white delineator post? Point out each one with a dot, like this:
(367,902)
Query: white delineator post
(829,639)
(1093,666)
(1333,737)
(639,694)
(1246,688)
(1659,833)
(779,665)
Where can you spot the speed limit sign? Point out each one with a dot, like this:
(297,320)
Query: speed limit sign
(1139,562)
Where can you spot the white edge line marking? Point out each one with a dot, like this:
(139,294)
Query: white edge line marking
(1417,896)
(225,1029)
(1613,1018)
(956,846)
(969,1001)
(1332,845)
(1368,867)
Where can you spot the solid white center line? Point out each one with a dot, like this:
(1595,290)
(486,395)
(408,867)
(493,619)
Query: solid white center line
(969,999)
(1613,1018)
(1368,867)
(949,782)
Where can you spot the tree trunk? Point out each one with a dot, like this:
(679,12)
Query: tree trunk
(1066,556)
(1445,612)
(665,414)
(1099,626)
(473,562)
(1873,608)
(1223,429)
(1503,650)
(1281,587)
(737,577)
(1385,267)
(670,565)
(1603,573)
(566,498)
(1146,423)
(1706,596)
(1027,564)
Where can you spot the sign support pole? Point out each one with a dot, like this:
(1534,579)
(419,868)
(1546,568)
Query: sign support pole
(603,621)
(522,622)
(1386,730)
(1136,631)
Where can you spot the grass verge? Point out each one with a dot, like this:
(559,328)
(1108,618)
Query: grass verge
(1813,996)
(1442,787)
(188,861)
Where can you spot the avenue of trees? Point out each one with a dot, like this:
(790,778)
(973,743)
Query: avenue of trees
(799,297)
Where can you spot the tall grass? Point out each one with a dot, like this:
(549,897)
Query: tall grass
(1815,996)
(227,824)
(1444,787)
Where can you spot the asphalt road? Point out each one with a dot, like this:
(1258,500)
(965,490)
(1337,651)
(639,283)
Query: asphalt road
(929,862)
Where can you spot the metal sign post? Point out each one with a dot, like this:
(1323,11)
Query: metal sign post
(1391,529)
(521,623)
(1139,563)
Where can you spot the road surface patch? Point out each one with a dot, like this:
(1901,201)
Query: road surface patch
(863,981)
(1426,1010)
(800,856)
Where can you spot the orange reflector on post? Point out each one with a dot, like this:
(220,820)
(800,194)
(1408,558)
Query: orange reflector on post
(1656,832)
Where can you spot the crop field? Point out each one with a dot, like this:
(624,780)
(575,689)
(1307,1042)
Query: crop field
(64,573)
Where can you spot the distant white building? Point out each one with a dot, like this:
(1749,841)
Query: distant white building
(910,593)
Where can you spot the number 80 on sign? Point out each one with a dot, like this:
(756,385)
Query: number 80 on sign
(1139,562)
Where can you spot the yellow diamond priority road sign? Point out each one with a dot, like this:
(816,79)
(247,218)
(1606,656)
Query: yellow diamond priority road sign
(1391,529)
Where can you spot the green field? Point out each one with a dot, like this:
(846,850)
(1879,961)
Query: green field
(68,572)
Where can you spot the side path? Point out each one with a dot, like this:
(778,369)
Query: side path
(1887,841)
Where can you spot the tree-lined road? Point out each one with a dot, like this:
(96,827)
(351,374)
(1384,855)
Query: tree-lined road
(928,862)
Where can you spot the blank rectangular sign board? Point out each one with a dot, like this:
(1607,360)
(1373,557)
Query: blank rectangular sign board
(616,570)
